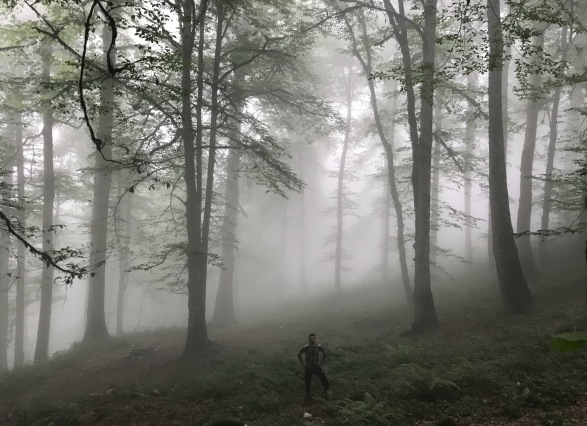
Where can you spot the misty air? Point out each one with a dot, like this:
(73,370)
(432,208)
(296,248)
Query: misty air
(293,212)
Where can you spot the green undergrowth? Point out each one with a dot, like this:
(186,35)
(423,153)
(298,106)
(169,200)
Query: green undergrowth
(80,354)
(477,366)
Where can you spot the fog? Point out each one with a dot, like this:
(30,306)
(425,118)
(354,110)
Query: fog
(285,239)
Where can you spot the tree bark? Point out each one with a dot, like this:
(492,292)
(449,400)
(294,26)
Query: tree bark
(7,193)
(435,194)
(505,92)
(197,333)
(96,319)
(211,163)
(526,169)
(397,20)
(199,219)
(302,223)
(514,290)
(224,313)
(553,136)
(123,261)
(4,285)
(340,183)
(21,250)
(469,147)
(385,230)
(425,312)
(367,64)
(44,329)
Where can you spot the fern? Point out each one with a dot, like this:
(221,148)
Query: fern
(425,383)
(369,411)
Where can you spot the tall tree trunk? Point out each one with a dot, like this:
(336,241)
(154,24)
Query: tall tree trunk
(526,168)
(21,250)
(385,228)
(198,218)
(397,20)
(44,329)
(123,261)
(7,195)
(96,319)
(197,333)
(548,183)
(399,213)
(505,91)
(491,259)
(367,64)
(514,290)
(211,163)
(505,73)
(469,147)
(340,184)
(224,313)
(435,193)
(302,223)
(425,312)
(5,279)
(282,280)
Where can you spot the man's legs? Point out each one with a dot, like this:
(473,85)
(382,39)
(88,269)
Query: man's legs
(308,379)
(323,379)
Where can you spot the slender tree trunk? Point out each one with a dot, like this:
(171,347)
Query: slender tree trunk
(224,313)
(526,168)
(548,183)
(282,281)
(399,214)
(4,286)
(21,250)
(44,329)
(491,258)
(340,185)
(197,334)
(398,23)
(196,216)
(123,261)
(505,73)
(514,290)
(385,230)
(4,305)
(367,64)
(211,163)
(435,194)
(425,312)
(302,233)
(469,147)
(5,254)
(505,92)
(96,319)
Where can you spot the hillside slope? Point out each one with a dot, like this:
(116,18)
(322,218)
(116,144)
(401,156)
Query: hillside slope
(478,368)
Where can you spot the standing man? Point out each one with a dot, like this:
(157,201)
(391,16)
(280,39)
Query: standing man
(313,364)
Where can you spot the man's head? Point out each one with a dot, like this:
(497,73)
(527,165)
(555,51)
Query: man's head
(312,338)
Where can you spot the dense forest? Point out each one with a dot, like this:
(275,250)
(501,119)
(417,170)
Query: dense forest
(201,166)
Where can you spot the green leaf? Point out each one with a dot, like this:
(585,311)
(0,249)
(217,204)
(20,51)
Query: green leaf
(569,341)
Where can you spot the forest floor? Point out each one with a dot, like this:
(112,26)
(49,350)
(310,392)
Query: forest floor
(478,368)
